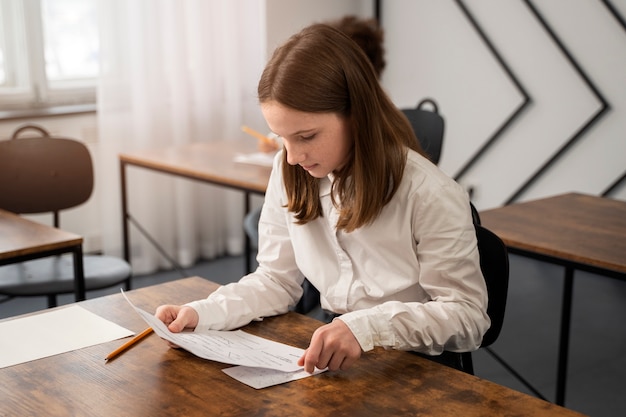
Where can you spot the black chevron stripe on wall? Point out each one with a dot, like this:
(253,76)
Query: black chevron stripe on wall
(525,101)
(559,124)
(578,135)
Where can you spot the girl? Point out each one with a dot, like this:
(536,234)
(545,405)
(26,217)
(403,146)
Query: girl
(384,235)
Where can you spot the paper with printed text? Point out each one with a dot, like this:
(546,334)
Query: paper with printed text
(262,362)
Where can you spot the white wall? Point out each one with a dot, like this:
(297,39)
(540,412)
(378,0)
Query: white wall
(286,17)
(433,50)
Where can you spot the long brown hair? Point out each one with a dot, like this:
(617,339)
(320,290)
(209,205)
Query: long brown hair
(321,70)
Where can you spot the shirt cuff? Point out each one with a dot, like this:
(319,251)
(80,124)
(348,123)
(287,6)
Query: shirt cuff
(369,328)
(210,315)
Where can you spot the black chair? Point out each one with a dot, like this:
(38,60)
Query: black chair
(44,174)
(494,264)
(428,126)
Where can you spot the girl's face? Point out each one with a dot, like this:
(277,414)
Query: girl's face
(319,142)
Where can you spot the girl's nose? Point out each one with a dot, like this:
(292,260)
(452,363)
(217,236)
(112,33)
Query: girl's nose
(294,154)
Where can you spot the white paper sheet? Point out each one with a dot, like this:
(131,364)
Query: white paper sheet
(261,378)
(54,332)
(263,362)
(232,347)
(265,159)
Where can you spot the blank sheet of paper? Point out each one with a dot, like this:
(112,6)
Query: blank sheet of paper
(51,333)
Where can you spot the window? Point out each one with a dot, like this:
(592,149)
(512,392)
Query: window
(48,53)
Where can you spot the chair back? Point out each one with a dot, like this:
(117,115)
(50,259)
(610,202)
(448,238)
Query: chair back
(42,173)
(494,264)
(428,126)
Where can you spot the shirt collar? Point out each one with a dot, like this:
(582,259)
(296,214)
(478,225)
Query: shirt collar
(325,184)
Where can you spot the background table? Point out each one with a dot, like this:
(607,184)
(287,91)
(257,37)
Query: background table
(577,231)
(152,379)
(210,162)
(23,240)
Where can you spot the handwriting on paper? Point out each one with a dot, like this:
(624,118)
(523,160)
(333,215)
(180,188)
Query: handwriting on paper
(232,347)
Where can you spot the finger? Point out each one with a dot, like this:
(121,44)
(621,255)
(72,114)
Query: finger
(301,360)
(186,318)
(310,358)
(167,313)
(335,362)
(178,325)
(325,358)
(309,364)
(347,363)
(162,314)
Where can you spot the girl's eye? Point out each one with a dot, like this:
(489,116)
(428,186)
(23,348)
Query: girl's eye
(308,137)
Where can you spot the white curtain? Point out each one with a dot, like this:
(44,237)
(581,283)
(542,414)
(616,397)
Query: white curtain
(174,72)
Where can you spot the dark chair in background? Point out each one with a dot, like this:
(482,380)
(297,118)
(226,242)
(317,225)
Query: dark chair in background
(428,126)
(44,174)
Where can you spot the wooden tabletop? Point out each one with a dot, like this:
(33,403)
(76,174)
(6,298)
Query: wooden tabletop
(582,229)
(211,162)
(152,379)
(22,237)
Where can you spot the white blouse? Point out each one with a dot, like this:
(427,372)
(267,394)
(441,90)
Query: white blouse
(411,280)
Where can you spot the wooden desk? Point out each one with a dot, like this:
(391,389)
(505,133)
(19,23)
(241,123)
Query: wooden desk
(151,379)
(579,232)
(23,240)
(210,162)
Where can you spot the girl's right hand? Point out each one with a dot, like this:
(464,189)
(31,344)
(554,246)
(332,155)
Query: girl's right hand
(177,318)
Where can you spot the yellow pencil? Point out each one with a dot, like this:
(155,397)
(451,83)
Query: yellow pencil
(128,344)
(258,135)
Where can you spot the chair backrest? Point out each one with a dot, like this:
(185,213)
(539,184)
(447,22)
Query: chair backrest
(428,126)
(494,264)
(41,173)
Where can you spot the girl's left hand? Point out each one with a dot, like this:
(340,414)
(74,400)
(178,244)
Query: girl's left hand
(332,345)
